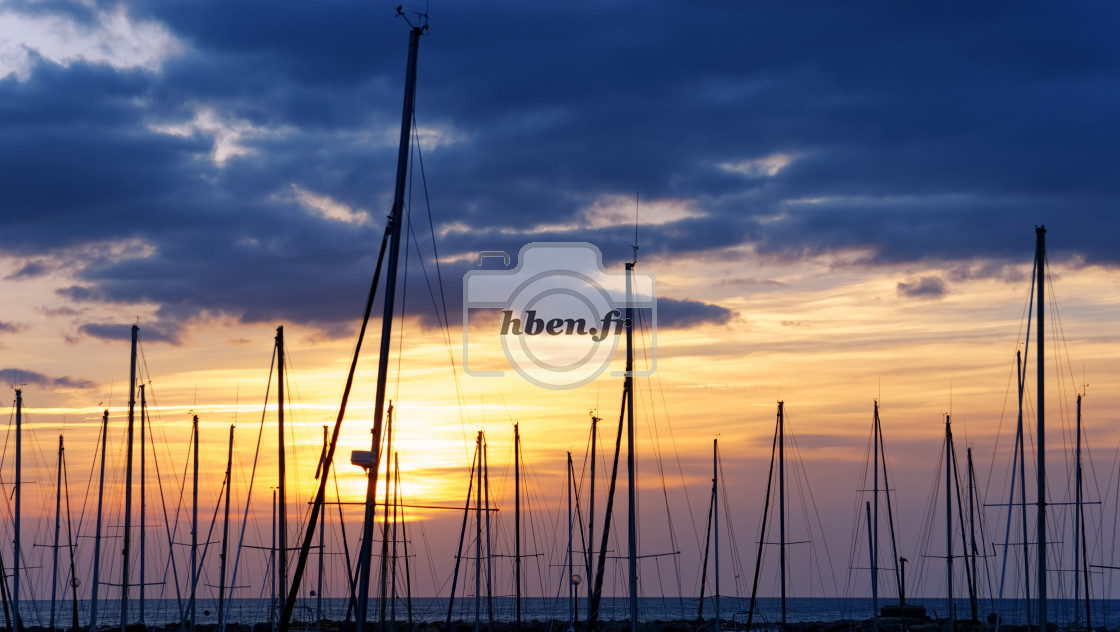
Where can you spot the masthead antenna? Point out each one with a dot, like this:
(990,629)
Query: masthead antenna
(422,18)
(637,201)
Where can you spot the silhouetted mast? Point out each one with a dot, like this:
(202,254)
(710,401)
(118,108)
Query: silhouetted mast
(57,528)
(1040,348)
(516,518)
(397,220)
(282,499)
(143,494)
(225,535)
(127,545)
(97,531)
(17,553)
(949,518)
(632,536)
(782,504)
(194,529)
(591,514)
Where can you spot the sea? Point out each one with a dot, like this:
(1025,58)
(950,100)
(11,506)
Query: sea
(733,611)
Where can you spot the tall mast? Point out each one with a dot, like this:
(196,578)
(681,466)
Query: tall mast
(385,523)
(127,543)
(16,552)
(949,518)
(1080,528)
(1077,519)
(194,529)
(1040,348)
(972,534)
(396,220)
(874,575)
(517,518)
(489,556)
(322,528)
(143,494)
(97,531)
(57,528)
(282,499)
(782,504)
(272,553)
(225,535)
(571,586)
(632,536)
(393,571)
(715,518)
(591,514)
(874,518)
(478,540)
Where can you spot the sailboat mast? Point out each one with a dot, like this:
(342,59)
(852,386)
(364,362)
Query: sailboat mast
(322,529)
(1040,349)
(382,592)
(949,519)
(517,518)
(57,528)
(16,552)
(282,497)
(194,530)
(571,586)
(591,515)
(225,535)
(127,542)
(874,519)
(143,494)
(782,505)
(1080,529)
(874,575)
(972,533)
(1077,518)
(715,519)
(632,535)
(489,556)
(97,531)
(478,539)
(272,554)
(396,219)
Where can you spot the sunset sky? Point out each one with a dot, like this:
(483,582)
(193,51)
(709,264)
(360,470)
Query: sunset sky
(838,202)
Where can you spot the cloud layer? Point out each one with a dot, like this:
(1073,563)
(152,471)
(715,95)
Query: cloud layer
(237,161)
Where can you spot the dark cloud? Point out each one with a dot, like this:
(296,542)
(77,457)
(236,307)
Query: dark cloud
(18,377)
(151,333)
(10,328)
(926,287)
(906,133)
(674,313)
(29,270)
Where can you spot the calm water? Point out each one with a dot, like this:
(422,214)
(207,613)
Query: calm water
(160,612)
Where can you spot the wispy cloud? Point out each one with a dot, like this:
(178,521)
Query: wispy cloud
(112,37)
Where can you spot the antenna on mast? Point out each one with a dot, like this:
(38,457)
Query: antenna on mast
(423,18)
(637,200)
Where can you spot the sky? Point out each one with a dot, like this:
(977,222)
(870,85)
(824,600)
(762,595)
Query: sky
(838,203)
